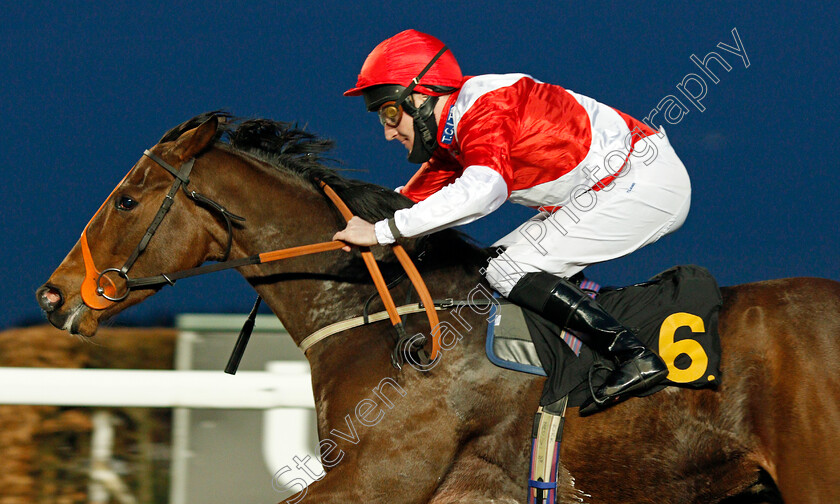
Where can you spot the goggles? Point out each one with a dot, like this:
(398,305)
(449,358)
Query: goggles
(390,114)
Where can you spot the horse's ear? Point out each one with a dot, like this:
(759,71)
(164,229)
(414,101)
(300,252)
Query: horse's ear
(196,140)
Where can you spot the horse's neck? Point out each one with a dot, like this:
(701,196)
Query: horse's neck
(306,293)
(314,291)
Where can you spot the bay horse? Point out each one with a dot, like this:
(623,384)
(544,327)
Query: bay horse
(460,432)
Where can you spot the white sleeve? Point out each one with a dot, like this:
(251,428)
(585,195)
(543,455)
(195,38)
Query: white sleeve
(477,192)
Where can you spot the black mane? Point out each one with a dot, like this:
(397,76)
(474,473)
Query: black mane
(286,147)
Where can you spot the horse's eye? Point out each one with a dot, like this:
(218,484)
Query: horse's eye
(125,203)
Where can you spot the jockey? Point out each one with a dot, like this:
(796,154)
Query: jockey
(605,184)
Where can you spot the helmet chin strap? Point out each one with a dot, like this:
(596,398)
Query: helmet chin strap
(425,129)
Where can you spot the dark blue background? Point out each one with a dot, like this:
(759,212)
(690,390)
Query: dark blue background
(85,88)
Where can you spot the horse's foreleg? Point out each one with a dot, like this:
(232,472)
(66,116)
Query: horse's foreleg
(389,465)
(474,479)
(359,482)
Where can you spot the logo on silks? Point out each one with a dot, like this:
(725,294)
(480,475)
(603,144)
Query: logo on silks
(448,133)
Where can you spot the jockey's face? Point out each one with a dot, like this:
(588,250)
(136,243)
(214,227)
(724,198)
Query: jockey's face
(404,130)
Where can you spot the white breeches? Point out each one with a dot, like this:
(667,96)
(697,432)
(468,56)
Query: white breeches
(645,203)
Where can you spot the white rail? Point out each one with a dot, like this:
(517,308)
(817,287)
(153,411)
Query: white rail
(284,385)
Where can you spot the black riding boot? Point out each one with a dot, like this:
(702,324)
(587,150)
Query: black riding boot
(560,301)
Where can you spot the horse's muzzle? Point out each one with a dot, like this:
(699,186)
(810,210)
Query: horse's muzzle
(49,298)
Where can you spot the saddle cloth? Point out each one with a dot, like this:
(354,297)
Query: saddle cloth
(675,314)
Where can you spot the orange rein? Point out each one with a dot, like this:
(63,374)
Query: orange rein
(379,281)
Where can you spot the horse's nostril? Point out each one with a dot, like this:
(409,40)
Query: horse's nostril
(52,296)
(49,297)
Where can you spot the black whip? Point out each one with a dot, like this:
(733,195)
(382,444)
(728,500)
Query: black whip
(242,340)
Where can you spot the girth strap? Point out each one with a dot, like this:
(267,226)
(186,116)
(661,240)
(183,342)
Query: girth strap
(406,309)
(327,331)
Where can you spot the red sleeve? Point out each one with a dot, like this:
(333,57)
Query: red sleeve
(438,172)
(488,129)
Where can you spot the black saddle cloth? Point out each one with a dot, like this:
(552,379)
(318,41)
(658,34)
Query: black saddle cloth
(675,314)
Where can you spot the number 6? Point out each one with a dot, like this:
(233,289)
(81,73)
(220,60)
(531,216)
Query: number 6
(669,349)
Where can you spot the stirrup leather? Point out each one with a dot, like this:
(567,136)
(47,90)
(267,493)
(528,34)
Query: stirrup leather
(546,436)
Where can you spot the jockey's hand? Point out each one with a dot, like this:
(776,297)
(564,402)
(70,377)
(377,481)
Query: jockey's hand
(358,232)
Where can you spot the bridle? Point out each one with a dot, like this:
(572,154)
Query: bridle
(182,180)
(94,291)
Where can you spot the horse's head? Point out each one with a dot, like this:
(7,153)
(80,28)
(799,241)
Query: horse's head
(89,285)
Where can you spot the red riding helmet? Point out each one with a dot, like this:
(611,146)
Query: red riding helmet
(397,60)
